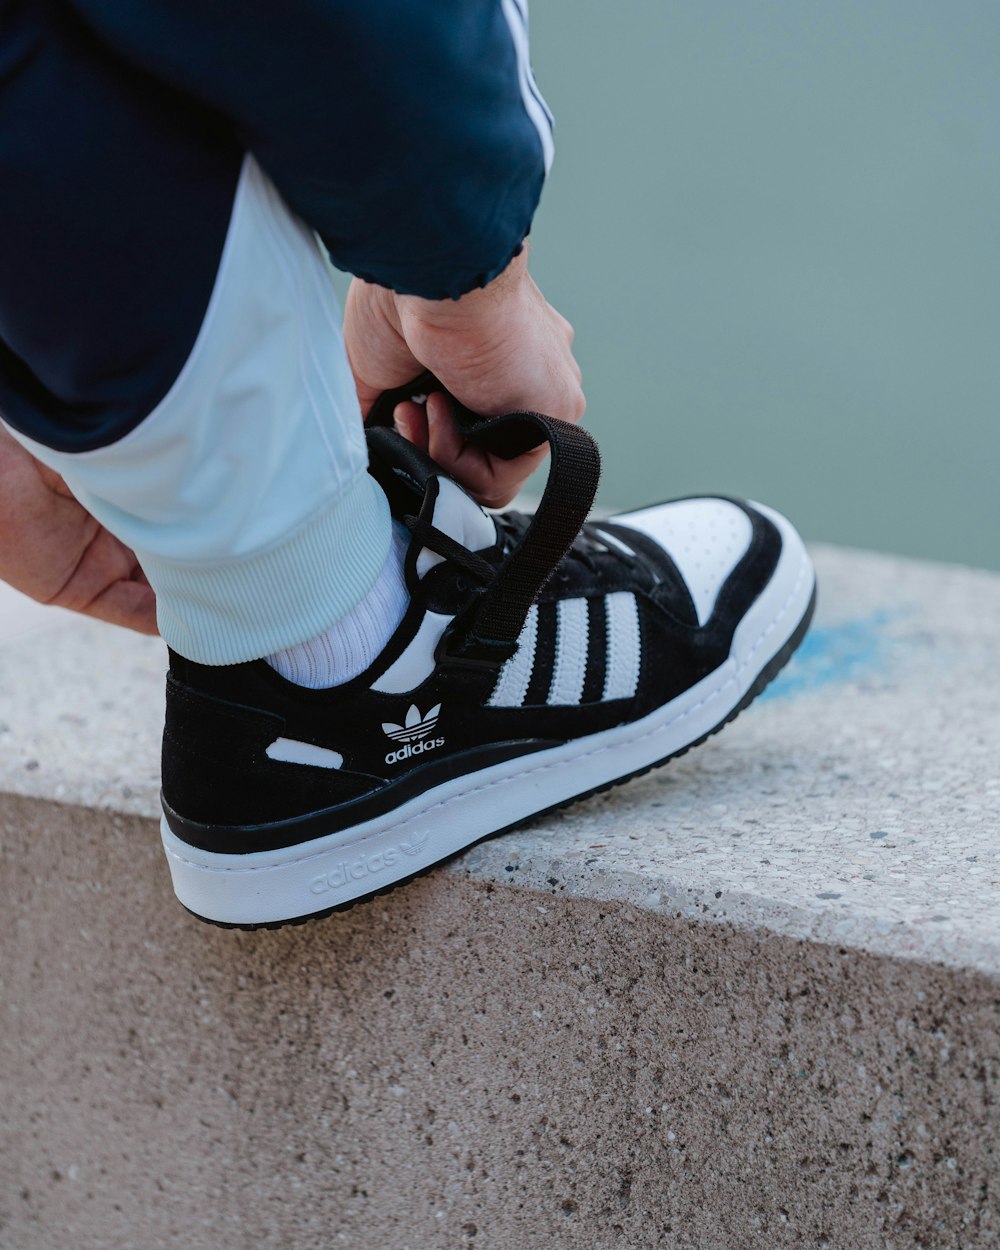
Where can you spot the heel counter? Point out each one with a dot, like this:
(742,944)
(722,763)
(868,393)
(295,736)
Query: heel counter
(210,752)
(216,769)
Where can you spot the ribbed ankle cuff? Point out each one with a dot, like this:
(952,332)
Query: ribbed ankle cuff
(239,610)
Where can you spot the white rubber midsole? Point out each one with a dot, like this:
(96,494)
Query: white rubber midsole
(298,880)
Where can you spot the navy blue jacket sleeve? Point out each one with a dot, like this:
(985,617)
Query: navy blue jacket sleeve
(408,133)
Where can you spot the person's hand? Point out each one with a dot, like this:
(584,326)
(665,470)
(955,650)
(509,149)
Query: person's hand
(499,349)
(54,551)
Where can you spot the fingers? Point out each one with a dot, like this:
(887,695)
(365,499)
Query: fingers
(444,442)
(108,584)
(496,350)
(493,482)
(378,354)
(130,604)
(411,421)
(431,427)
(43,534)
(507,478)
(499,348)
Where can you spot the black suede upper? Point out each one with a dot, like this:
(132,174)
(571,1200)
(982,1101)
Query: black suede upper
(221,790)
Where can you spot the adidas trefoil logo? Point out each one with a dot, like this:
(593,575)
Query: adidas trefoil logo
(413,733)
(416,726)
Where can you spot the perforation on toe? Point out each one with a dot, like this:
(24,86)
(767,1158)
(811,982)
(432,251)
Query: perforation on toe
(705,538)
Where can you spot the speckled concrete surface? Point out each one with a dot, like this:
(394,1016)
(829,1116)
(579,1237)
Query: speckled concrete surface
(858,802)
(750,1001)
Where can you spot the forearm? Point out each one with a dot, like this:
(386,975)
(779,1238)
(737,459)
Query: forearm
(408,135)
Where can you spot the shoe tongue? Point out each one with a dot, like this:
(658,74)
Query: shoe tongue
(459,516)
(416,485)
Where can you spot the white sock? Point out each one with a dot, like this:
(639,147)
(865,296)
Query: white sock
(352,643)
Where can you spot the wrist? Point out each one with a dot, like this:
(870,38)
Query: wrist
(469,308)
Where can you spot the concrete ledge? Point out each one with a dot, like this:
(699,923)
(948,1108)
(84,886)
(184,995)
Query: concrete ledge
(752,1000)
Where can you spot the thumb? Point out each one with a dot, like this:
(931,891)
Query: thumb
(379,357)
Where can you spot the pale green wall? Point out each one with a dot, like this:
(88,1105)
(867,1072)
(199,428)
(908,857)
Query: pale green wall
(775,227)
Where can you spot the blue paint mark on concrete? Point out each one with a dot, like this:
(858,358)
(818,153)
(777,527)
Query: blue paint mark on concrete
(836,654)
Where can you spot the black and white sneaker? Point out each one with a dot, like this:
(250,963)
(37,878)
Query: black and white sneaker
(541,659)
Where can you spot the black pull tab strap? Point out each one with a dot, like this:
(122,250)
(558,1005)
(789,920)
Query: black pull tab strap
(513,443)
(574,474)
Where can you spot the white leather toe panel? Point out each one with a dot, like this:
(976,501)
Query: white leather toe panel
(705,538)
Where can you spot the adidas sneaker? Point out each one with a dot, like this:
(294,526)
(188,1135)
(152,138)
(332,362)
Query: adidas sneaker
(542,658)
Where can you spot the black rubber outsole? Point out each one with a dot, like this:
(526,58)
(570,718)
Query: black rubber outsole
(764,679)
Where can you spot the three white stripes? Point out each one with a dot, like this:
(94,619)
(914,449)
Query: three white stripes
(572,654)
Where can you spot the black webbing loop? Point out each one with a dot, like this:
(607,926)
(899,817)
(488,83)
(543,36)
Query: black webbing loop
(574,472)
